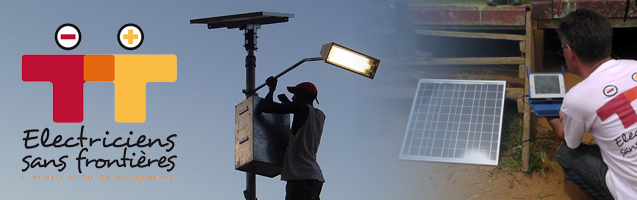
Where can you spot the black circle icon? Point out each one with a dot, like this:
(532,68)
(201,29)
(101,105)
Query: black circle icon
(68,36)
(130,36)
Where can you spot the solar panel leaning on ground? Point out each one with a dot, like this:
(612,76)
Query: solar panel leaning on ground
(455,121)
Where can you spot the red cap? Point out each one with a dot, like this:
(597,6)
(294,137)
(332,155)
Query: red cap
(307,86)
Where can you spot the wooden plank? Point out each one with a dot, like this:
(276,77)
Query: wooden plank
(467,14)
(408,92)
(521,105)
(526,129)
(467,61)
(466,27)
(514,93)
(547,23)
(497,36)
(608,8)
(555,9)
(615,22)
(542,9)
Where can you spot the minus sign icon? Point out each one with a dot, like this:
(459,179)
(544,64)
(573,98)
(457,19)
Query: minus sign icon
(67,36)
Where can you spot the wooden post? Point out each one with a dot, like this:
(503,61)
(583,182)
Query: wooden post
(526,131)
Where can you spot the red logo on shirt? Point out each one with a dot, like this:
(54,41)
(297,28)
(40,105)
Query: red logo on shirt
(610,90)
(620,105)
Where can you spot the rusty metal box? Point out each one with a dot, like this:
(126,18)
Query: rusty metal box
(260,138)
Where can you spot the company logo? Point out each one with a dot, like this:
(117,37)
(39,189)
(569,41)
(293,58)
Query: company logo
(129,74)
(130,36)
(68,36)
(610,90)
(620,105)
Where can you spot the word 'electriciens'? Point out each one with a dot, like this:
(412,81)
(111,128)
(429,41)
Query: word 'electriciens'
(141,142)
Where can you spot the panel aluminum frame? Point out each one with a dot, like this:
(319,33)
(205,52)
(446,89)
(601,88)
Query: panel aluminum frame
(455,121)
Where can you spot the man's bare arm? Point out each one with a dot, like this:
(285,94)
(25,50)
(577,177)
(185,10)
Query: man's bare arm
(558,126)
(269,106)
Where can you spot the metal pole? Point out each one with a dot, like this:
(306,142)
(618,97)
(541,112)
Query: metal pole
(251,60)
(290,68)
(251,186)
(251,64)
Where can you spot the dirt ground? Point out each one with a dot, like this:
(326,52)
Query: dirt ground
(485,182)
(480,182)
(431,180)
(471,182)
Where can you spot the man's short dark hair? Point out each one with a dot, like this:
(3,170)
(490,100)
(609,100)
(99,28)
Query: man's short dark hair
(588,33)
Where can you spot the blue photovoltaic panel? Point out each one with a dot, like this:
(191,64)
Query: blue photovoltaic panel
(456,121)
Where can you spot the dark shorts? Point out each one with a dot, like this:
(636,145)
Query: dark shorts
(303,190)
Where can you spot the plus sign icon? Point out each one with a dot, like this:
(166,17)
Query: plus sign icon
(130,36)
(129,74)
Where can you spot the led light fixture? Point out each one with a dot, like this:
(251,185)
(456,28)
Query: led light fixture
(349,59)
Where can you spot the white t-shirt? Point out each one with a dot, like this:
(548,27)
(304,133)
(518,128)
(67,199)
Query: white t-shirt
(604,105)
(300,155)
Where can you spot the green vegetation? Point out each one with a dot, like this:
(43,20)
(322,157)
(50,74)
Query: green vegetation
(546,195)
(464,76)
(541,152)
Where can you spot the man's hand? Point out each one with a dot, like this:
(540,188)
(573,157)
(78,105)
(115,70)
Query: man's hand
(283,98)
(271,82)
(558,125)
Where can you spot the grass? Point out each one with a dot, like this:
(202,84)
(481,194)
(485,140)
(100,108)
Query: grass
(464,76)
(545,196)
(541,150)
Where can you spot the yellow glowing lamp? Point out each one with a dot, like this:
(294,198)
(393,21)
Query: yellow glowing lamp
(342,57)
(349,59)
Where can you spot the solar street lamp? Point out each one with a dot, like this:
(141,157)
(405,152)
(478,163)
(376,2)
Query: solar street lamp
(342,57)
(259,136)
(249,23)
